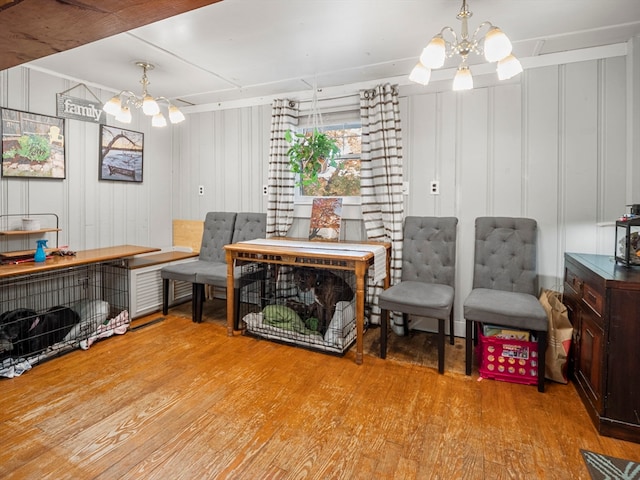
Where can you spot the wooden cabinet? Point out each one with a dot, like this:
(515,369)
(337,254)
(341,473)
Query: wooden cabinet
(603,300)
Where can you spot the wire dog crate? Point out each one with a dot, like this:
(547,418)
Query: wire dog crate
(46,314)
(304,306)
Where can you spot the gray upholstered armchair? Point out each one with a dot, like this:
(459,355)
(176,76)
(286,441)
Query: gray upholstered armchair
(428,278)
(218,232)
(505,283)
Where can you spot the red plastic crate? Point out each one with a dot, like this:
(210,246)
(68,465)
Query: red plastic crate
(508,360)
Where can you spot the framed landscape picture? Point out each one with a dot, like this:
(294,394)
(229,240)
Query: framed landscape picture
(120,154)
(32,145)
(326,218)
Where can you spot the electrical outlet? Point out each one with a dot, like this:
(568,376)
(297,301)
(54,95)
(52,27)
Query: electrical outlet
(405,188)
(435,187)
(201,190)
(265,190)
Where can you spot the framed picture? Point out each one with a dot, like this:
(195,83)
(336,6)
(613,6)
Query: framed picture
(120,154)
(326,218)
(32,145)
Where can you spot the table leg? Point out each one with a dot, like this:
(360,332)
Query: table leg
(230,294)
(361,269)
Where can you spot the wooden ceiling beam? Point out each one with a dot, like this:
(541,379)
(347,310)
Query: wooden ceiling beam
(31,29)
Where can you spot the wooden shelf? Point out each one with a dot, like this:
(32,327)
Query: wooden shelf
(25,253)
(29,232)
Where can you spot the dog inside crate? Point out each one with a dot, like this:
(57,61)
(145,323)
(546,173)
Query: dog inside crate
(319,290)
(50,313)
(307,306)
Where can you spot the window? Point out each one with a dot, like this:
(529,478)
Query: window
(343,180)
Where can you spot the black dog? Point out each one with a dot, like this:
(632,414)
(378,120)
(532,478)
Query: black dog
(14,328)
(328,289)
(52,328)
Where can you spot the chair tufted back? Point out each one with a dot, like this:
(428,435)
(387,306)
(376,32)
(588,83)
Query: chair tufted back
(218,232)
(505,254)
(250,226)
(429,250)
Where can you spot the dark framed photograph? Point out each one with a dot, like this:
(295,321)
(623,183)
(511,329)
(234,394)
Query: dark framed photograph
(32,145)
(120,154)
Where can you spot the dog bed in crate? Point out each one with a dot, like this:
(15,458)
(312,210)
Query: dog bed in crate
(280,323)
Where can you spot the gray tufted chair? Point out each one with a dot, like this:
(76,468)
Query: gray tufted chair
(248,226)
(428,278)
(505,283)
(218,232)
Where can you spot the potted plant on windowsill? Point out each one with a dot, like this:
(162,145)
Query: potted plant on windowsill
(310,153)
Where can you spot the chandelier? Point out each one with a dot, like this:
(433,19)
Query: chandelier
(119,105)
(495,46)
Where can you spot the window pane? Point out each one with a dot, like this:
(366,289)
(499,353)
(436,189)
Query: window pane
(343,180)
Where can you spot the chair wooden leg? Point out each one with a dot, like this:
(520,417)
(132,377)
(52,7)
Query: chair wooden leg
(405,324)
(384,320)
(197,299)
(542,349)
(451,335)
(441,336)
(469,346)
(165,296)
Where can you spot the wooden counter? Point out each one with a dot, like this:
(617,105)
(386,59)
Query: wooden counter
(84,257)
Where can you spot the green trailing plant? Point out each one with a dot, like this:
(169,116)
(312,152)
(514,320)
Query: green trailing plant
(309,154)
(34,148)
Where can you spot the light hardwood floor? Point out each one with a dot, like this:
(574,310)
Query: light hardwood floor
(178,400)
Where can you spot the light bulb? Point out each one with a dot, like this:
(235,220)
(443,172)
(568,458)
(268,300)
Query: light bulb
(433,54)
(496,45)
(113,106)
(124,115)
(175,115)
(508,67)
(158,120)
(463,79)
(150,106)
(420,74)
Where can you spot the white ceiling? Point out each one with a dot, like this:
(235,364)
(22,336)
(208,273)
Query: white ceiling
(239,49)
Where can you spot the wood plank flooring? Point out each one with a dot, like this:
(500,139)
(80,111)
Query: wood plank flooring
(178,400)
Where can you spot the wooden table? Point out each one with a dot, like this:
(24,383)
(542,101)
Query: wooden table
(352,256)
(84,257)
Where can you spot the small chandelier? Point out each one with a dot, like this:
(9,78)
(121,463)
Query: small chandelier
(119,105)
(495,46)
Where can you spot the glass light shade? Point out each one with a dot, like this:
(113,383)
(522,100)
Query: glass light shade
(158,120)
(113,106)
(150,106)
(175,115)
(496,45)
(508,67)
(124,115)
(433,54)
(420,74)
(463,79)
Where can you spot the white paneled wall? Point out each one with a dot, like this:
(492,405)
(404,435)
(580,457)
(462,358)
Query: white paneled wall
(92,213)
(553,146)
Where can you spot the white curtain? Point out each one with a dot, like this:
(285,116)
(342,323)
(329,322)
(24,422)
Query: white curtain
(381,180)
(284,116)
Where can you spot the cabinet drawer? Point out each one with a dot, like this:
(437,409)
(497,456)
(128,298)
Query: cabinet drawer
(573,281)
(593,298)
